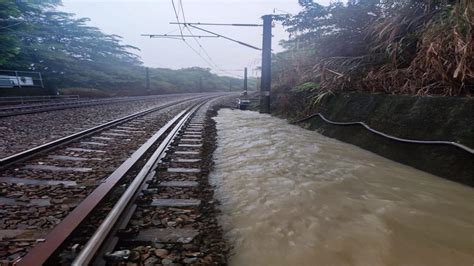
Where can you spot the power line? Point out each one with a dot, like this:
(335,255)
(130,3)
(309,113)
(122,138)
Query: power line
(177,18)
(222,24)
(195,39)
(172,31)
(190,32)
(200,46)
(179,35)
(199,54)
(234,70)
(182,10)
(193,36)
(210,62)
(227,38)
(217,34)
(181,31)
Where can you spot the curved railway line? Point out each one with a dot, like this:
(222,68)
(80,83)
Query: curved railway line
(51,190)
(22,109)
(21,156)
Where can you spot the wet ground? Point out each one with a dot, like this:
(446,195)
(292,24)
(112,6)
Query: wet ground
(294,197)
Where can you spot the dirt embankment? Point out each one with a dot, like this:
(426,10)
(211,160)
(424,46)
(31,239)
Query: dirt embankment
(410,117)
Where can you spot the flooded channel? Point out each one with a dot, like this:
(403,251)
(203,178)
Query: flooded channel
(294,197)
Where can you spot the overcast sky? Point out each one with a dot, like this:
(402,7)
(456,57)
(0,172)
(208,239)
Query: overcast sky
(131,18)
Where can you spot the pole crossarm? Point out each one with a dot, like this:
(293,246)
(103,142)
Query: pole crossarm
(218,24)
(225,37)
(178,36)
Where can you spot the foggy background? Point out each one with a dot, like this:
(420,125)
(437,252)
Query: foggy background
(130,19)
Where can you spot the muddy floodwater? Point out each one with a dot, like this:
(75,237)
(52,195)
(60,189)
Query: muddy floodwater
(291,196)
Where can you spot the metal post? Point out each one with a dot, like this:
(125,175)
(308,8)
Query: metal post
(17,79)
(147,73)
(266,65)
(200,84)
(245,80)
(41,80)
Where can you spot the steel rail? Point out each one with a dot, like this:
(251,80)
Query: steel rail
(52,103)
(429,142)
(65,101)
(96,241)
(71,101)
(22,100)
(40,108)
(58,235)
(24,155)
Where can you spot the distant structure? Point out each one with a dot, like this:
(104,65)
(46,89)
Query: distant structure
(19,79)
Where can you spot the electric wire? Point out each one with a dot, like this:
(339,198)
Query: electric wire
(181,32)
(177,18)
(209,61)
(194,37)
(439,142)
(227,38)
(216,66)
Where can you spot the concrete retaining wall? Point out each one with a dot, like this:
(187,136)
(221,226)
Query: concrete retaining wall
(419,118)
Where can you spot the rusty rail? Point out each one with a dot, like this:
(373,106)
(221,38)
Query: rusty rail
(24,155)
(57,237)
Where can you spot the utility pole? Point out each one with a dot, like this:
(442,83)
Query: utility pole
(147,81)
(245,80)
(265,79)
(266,65)
(200,84)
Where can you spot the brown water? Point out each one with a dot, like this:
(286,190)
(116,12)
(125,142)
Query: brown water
(294,197)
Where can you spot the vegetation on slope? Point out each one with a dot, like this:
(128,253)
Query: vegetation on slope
(34,36)
(416,47)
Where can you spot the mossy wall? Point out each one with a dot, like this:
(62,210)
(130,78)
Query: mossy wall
(411,117)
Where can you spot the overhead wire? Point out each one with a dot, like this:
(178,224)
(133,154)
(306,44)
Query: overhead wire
(177,18)
(227,38)
(194,37)
(216,66)
(181,32)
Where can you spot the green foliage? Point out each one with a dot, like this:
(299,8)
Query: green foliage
(392,46)
(9,43)
(334,30)
(306,87)
(71,54)
(311,91)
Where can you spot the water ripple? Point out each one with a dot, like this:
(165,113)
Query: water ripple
(294,197)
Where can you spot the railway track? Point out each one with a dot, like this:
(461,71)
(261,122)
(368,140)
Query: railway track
(20,133)
(43,195)
(21,156)
(11,101)
(23,109)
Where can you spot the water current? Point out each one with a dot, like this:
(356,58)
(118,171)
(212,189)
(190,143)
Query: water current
(291,196)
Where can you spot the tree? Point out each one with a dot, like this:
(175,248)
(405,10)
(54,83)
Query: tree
(392,46)
(70,53)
